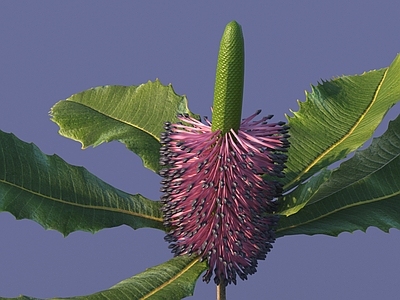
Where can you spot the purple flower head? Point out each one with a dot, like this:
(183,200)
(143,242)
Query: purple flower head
(216,201)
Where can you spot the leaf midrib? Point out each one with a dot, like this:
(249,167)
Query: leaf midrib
(170,281)
(350,205)
(116,119)
(105,208)
(358,180)
(341,140)
(339,209)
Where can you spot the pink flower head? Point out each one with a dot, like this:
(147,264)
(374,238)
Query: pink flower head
(216,201)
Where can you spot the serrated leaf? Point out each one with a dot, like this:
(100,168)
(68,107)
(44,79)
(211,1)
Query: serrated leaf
(63,197)
(172,280)
(337,117)
(133,115)
(364,191)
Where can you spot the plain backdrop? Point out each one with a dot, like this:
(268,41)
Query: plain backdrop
(50,50)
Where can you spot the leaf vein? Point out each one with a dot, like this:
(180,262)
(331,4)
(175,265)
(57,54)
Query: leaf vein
(341,140)
(171,280)
(112,209)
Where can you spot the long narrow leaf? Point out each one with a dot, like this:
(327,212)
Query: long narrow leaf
(337,117)
(59,196)
(133,115)
(172,280)
(364,191)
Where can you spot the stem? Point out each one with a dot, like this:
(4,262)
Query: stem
(221,291)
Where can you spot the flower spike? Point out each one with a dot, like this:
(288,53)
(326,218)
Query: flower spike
(216,202)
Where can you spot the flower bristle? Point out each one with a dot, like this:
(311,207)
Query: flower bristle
(215,200)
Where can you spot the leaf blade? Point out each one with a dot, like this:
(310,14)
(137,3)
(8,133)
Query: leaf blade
(296,200)
(362,192)
(174,279)
(337,117)
(133,115)
(63,197)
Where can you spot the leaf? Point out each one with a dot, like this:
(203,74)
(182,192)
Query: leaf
(291,203)
(66,198)
(133,115)
(337,117)
(364,191)
(174,279)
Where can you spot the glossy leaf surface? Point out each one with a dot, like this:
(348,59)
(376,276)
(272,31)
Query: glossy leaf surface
(364,191)
(63,197)
(338,117)
(174,280)
(133,115)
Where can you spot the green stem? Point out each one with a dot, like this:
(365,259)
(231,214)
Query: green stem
(229,79)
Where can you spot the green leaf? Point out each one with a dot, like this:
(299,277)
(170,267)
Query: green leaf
(66,198)
(296,200)
(364,191)
(174,279)
(133,115)
(337,117)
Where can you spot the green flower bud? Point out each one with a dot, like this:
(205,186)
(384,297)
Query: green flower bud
(228,90)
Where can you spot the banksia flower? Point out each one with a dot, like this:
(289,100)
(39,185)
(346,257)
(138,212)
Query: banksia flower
(217,204)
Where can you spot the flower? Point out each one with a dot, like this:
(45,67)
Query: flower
(216,202)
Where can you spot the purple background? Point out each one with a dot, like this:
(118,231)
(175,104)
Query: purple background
(52,49)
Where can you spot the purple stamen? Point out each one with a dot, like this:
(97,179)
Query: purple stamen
(216,202)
